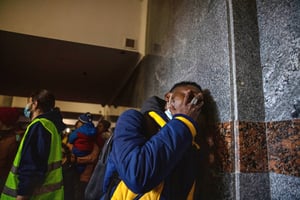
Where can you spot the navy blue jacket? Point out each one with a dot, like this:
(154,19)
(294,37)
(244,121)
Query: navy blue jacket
(35,153)
(167,157)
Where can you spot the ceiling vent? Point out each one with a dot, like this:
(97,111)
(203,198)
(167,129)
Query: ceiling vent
(130,43)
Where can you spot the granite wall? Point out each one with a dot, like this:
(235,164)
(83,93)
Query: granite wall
(279,28)
(245,54)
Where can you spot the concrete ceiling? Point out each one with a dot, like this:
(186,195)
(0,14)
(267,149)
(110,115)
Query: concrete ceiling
(72,71)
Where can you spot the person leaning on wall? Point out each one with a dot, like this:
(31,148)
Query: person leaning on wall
(36,172)
(8,140)
(154,153)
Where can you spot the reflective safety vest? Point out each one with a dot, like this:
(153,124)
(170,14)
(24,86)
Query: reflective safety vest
(52,187)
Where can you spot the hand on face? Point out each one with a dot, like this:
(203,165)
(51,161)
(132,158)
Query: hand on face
(185,100)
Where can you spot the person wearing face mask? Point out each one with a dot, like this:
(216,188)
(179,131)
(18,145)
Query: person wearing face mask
(154,153)
(36,172)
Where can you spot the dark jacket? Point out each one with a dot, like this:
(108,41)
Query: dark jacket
(144,161)
(35,153)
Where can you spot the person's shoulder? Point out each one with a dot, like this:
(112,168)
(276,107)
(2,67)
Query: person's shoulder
(36,123)
(41,123)
(131,114)
(153,103)
(36,127)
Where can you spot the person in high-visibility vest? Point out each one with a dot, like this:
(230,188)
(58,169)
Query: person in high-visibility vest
(36,172)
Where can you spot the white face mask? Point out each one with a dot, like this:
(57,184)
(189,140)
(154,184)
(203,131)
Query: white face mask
(27,111)
(169,114)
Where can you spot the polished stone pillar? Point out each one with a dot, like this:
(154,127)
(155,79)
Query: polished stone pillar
(245,54)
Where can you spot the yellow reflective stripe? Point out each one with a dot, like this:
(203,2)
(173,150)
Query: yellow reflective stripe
(161,122)
(189,125)
(42,190)
(48,188)
(11,181)
(54,166)
(9,192)
(51,167)
(58,194)
(14,169)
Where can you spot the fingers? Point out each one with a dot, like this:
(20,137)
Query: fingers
(199,105)
(197,99)
(187,97)
(196,104)
(194,101)
(170,104)
(188,103)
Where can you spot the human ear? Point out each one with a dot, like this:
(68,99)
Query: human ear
(167,97)
(34,105)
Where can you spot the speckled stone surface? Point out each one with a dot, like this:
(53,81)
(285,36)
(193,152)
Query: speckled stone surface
(279,29)
(250,68)
(246,65)
(225,147)
(262,147)
(284,147)
(217,186)
(188,40)
(284,187)
(254,186)
(253,154)
(251,144)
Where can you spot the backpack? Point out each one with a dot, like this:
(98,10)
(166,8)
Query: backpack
(93,189)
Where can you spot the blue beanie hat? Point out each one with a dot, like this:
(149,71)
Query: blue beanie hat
(85,118)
